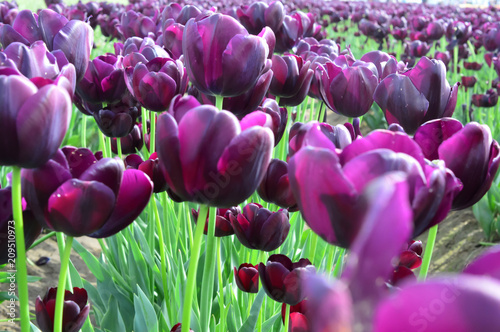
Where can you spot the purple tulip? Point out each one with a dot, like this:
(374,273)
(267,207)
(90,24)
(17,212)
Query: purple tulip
(289,33)
(291,80)
(275,187)
(150,167)
(435,30)
(221,57)
(487,264)
(206,158)
(469,151)
(223,225)
(61,192)
(258,228)
(259,15)
(75,310)
(282,279)
(132,143)
(247,278)
(489,99)
(349,90)
(31,227)
(269,115)
(473,65)
(116,120)
(155,84)
(29,112)
(103,81)
(418,48)
(416,96)
(468,81)
(136,25)
(136,50)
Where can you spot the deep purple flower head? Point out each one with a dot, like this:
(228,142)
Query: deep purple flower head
(135,24)
(116,120)
(206,158)
(476,66)
(223,225)
(150,167)
(275,187)
(282,279)
(247,278)
(259,15)
(78,195)
(489,99)
(469,151)
(435,30)
(221,57)
(348,90)
(27,112)
(291,80)
(103,81)
(132,143)
(418,48)
(75,310)
(416,96)
(289,33)
(468,82)
(258,228)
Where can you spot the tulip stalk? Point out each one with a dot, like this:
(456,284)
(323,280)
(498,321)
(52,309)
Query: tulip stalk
(152,135)
(193,267)
(455,63)
(102,144)
(287,317)
(84,131)
(162,246)
(22,271)
(144,116)
(221,284)
(58,313)
(61,245)
(208,270)
(426,261)
(119,147)
(219,102)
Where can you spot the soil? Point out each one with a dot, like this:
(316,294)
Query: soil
(458,243)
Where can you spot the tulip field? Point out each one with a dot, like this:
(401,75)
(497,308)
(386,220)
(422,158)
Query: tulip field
(198,144)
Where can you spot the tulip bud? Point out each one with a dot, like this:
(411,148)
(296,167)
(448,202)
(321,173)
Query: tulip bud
(223,225)
(75,310)
(247,278)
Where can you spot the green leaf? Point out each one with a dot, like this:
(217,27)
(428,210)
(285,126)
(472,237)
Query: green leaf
(251,321)
(33,328)
(4,296)
(112,319)
(145,315)
(484,216)
(267,325)
(89,259)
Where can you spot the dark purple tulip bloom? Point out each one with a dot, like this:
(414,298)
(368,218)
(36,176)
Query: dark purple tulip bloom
(416,96)
(180,105)
(469,151)
(443,56)
(136,50)
(103,81)
(150,167)
(172,37)
(488,264)
(247,278)
(27,112)
(205,164)
(291,80)
(275,187)
(399,34)
(221,57)
(258,228)
(411,257)
(116,120)
(300,307)
(473,65)
(418,48)
(435,30)
(468,81)
(319,135)
(223,225)
(282,279)
(349,90)
(289,33)
(131,143)
(461,303)
(245,103)
(385,63)
(458,32)
(31,227)
(155,84)
(489,99)
(36,62)
(136,25)
(75,310)
(78,195)
(269,115)
(259,15)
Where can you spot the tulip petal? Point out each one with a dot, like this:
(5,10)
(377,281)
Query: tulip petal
(488,264)
(50,24)
(135,191)
(431,134)
(107,171)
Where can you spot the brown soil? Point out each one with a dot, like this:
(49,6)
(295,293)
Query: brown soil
(49,274)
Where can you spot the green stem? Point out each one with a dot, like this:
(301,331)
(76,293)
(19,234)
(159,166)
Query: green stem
(467,107)
(312,247)
(455,63)
(102,145)
(152,135)
(219,102)
(84,131)
(262,258)
(108,147)
(165,217)
(426,261)
(144,131)
(207,286)
(22,271)
(162,246)
(321,112)
(40,240)
(221,284)
(311,109)
(340,261)
(287,317)
(193,267)
(61,245)
(58,314)
(278,100)
(119,147)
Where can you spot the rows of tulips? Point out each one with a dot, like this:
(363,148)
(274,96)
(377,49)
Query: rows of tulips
(216,114)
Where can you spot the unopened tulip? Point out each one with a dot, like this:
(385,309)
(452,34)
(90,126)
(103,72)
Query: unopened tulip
(223,225)
(275,187)
(247,278)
